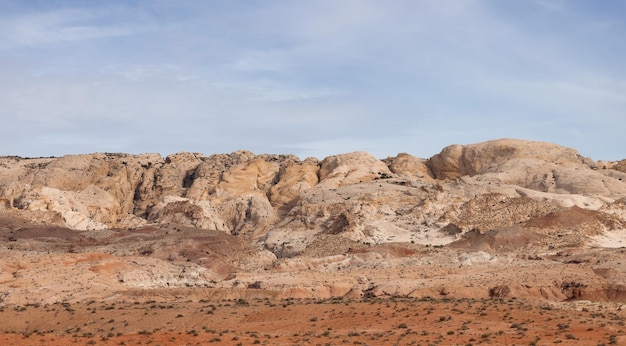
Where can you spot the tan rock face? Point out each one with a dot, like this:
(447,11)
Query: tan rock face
(410,166)
(493,156)
(481,220)
(294,179)
(282,203)
(538,166)
(255,175)
(620,166)
(351,168)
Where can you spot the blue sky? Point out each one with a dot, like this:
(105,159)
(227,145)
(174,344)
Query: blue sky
(312,78)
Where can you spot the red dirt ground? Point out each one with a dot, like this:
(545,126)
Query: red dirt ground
(315,322)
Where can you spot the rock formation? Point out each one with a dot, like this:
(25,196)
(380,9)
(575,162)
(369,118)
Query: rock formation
(261,197)
(496,196)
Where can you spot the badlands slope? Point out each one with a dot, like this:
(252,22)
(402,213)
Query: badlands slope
(504,219)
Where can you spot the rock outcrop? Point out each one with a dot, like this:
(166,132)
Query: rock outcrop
(348,225)
(538,166)
(282,203)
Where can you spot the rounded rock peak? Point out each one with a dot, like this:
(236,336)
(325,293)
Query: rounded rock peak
(471,159)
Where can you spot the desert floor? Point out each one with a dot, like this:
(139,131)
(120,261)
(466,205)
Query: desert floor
(139,320)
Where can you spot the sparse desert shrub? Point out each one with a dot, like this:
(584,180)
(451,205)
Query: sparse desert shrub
(255,285)
(499,291)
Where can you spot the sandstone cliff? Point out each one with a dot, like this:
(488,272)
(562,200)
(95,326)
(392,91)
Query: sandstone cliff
(462,223)
(283,204)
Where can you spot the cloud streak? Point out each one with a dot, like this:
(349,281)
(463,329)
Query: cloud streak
(61,26)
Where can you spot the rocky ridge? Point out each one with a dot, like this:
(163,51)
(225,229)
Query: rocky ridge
(485,204)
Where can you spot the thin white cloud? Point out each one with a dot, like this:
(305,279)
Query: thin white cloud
(61,25)
(139,72)
(267,90)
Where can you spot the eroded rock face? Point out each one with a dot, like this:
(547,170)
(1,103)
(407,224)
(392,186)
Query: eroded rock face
(538,166)
(353,168)
(620,166)
(410,166)
(478,220)
(493,156)
(283,204)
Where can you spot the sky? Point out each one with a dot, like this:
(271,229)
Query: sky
(310,77)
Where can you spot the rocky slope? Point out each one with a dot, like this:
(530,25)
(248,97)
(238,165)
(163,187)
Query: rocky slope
(489,203)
